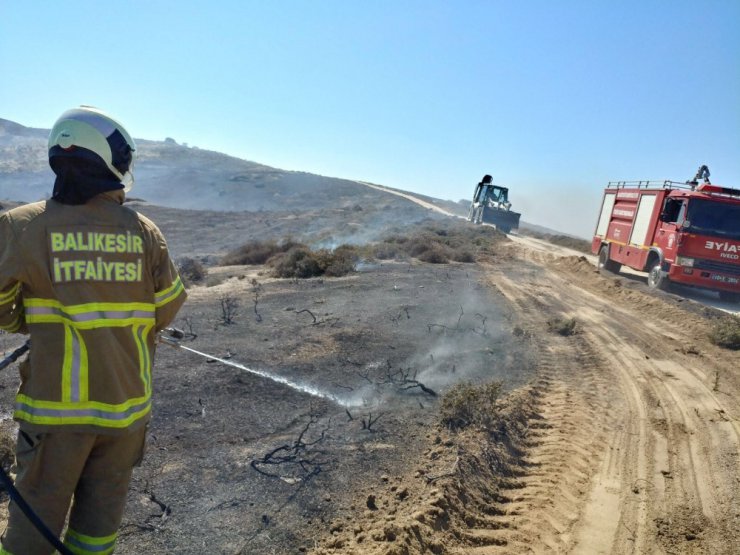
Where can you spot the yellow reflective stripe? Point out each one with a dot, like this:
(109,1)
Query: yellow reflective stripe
(74,367)
(83,544)
(90,412)
(84,371)
(88,307)
(145,363)
(14,327)
(67,365)
(90,315)
(161,298)
(10,295)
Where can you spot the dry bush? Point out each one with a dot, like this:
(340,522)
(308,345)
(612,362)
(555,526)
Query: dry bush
(388,251)
(562,326)
(435,253)
(463,255)
(725,333)
(257,252)
(470,405)
(439,243)
(342,261)
(301,262)
(191,271)
(298,262)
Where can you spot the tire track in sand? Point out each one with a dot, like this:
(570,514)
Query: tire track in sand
(665,479)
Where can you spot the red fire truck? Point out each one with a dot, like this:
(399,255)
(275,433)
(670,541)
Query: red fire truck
(686,233)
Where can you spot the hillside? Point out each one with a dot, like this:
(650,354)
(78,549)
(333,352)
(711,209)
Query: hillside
(515,401)
(178,176)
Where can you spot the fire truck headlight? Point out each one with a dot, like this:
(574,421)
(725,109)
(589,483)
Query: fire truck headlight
(683,261)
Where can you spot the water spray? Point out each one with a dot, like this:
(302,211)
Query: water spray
(173,337)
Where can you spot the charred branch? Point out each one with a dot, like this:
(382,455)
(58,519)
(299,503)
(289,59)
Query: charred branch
(405,379)
(256,290)
(229,306)
(332,322)
(458,328)
(367,423)
(296,462)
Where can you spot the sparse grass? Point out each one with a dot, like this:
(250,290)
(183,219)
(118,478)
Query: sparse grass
(580,245)
(470,405)
(725,333)
(438,243)
(563,326)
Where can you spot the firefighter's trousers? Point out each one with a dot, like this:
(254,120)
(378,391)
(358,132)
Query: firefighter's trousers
(92,470)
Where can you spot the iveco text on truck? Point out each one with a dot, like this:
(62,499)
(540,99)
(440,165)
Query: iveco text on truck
(687,233)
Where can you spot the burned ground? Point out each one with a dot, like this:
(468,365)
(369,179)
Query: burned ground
(382,342)
(619,436)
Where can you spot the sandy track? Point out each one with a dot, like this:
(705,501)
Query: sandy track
(640,449)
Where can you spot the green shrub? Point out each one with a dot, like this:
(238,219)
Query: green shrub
(725,333)
(470,405)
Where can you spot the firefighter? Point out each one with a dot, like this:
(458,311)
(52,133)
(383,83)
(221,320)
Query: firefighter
(92,283)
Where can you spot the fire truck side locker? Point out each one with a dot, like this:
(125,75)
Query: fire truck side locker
(626,227)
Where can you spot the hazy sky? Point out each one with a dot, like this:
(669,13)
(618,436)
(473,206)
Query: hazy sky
(553,98)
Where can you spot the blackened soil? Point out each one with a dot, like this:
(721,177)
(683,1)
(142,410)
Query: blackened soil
(238,463)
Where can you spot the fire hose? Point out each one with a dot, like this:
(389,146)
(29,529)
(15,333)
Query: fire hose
(7,482)
(172,337)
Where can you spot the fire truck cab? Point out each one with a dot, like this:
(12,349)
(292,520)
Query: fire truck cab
(677,232)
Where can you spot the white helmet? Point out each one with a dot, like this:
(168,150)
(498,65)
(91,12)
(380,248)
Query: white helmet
(91,134)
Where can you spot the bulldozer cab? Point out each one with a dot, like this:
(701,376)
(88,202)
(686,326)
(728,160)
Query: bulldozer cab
(487,192)
(497,194)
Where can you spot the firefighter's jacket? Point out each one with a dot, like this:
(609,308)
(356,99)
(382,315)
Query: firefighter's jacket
(92,284)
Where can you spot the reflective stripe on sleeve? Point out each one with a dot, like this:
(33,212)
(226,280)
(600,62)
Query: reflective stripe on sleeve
(10,295)
(81,544)
(161,298)
(13,326)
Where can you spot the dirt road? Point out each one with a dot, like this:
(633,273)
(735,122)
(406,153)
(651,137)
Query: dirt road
(642,452)
(628,441)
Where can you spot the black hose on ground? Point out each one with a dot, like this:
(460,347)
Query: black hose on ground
(16,496)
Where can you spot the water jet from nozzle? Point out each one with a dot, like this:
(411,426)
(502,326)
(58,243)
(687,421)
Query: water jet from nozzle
(303,388)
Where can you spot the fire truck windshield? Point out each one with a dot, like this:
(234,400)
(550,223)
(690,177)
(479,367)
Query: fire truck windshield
(708,217)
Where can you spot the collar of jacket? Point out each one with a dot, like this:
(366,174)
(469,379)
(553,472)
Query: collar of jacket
(117,196)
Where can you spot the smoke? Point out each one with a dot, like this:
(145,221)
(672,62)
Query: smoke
(448,328)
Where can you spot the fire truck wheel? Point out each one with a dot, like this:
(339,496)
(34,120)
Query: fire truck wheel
(729,297)
(606,264)
(656,279)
